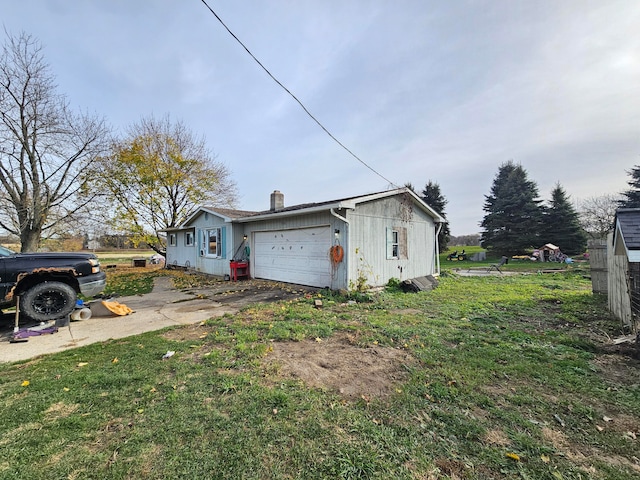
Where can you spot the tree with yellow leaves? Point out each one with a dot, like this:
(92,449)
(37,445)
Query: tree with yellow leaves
(157,176)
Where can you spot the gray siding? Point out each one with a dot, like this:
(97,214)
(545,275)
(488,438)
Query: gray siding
(339,271)
(368,242)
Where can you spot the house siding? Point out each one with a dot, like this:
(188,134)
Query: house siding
(368,242)
(362,226)
(209,264)
(318,219)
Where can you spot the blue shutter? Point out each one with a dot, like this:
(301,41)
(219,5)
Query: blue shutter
(223,242)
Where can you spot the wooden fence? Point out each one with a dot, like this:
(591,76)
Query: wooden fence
(599,266)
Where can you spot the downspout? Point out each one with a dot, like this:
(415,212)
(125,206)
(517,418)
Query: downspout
(438,249)
(346,262)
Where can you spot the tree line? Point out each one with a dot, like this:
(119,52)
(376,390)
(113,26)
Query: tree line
(62,171)
(517,221)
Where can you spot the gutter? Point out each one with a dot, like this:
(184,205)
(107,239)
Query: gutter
(438,249)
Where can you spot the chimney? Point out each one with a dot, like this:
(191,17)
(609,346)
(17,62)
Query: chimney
(277,200)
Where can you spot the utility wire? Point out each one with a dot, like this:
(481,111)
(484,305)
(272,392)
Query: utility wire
(296,98)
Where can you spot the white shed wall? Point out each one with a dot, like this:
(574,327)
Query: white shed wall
(368,242)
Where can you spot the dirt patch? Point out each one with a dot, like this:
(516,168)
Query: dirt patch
(618,369)
(187,333)
(339,366)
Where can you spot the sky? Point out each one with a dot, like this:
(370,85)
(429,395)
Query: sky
(420,90)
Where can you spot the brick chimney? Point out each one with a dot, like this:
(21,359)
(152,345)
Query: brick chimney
(277,200)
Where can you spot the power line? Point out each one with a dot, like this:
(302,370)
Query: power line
(296,98)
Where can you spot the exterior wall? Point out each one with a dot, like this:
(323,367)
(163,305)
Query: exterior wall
(338,271)
(181,255)
(619,288)
(368,262)
(207,263)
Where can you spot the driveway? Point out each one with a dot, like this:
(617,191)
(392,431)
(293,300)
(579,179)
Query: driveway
(163,307)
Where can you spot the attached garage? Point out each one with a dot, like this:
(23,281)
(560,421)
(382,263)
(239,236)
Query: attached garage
(295,256)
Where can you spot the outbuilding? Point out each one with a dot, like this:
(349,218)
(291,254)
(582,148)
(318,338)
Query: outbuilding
(347,243)
(623,258)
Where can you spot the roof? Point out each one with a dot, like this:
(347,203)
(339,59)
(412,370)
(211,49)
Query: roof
(348,202)
(627,233)
(244,216)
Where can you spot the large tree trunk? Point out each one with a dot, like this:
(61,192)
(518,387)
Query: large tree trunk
(30,241)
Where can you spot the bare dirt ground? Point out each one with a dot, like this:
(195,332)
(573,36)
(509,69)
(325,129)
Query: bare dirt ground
(334,364)
(337,365)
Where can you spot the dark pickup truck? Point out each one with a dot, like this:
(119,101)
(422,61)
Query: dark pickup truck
(48,283)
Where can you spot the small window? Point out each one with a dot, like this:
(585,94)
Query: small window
(188,239)
(213,243)
(394,243)
(172,239)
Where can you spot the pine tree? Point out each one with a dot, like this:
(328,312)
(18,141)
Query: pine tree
(562,224)
(514,212)
(432,196)
(632,196)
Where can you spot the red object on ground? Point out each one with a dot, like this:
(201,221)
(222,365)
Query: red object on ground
(239,270)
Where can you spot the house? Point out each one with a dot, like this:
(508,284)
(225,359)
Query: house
(623,258)
(340,244)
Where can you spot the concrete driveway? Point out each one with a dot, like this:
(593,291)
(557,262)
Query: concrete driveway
(163,307)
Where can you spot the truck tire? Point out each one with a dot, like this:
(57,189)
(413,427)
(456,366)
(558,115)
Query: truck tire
(48,301)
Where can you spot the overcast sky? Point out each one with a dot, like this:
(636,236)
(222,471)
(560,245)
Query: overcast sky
(420,90)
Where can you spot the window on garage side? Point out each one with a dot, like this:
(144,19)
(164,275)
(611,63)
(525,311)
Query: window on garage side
(172,239)
(396,243)
(188,239)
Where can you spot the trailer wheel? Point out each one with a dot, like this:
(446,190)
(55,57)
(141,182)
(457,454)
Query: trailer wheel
(48,301)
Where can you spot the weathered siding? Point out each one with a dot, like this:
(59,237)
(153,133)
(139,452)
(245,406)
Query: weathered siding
(618,285)
(368,262)
(598,264)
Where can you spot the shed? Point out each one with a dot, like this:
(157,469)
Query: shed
(341,244)
(623,258)
(549,252)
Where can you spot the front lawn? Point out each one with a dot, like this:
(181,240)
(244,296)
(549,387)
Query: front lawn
(482,378)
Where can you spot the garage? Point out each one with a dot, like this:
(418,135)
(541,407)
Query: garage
(298,256)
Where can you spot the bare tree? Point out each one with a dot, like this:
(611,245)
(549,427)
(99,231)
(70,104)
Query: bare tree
(597,214)
(44,147)
(158,175)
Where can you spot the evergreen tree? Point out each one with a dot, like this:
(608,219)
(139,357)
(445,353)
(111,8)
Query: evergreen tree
(632,196)
(562,224)
(514,212)
(432,196)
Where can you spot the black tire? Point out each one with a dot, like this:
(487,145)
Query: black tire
(48,301)
(461,258)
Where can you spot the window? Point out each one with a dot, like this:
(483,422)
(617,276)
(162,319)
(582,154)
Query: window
(215,242)
(188,239)
(396,243)
(172,239)
(213,245)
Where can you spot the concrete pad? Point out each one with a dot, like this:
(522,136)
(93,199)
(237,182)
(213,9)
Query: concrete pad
(163,307)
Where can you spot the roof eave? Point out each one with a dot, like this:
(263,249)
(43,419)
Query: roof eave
(287,213)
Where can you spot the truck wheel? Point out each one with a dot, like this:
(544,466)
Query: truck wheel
(48,301)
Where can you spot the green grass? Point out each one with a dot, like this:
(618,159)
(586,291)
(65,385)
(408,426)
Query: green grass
(510,381)
(514,265)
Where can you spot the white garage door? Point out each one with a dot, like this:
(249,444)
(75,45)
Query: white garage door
(295,256)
